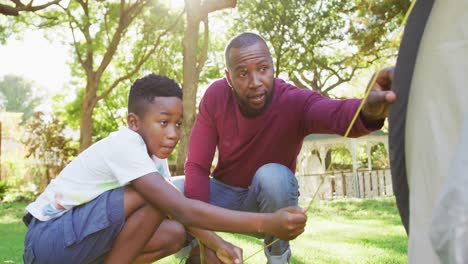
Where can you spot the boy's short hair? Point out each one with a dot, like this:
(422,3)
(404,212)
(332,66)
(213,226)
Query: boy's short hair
(144,90)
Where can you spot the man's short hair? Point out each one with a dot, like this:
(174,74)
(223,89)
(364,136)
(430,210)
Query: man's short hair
(144,90)
(242,40)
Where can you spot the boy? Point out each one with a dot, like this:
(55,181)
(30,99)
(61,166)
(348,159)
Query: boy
(112,203)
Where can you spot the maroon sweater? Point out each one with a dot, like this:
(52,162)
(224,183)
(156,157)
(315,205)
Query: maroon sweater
(245,144)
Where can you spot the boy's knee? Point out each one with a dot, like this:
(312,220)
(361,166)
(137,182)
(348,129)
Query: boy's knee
(132,201)
(177,236)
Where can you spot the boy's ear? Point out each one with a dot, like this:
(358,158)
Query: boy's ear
(132,121)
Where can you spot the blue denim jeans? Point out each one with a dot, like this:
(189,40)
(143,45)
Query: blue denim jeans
(274,186)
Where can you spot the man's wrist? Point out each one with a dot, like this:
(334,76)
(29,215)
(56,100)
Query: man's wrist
(371,123)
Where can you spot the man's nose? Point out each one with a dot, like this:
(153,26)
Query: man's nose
(255,81)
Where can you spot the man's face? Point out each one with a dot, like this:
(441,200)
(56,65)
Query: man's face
(160,125)
(250,73)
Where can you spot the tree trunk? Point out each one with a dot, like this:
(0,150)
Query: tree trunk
(190,81)
(195,13)
(86,119)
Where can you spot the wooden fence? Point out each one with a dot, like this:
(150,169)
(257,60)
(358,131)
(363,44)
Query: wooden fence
(345,184)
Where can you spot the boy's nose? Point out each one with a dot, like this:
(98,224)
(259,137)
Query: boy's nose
(172,132)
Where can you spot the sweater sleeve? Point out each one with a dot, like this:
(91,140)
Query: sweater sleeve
(201,149)
(330,116)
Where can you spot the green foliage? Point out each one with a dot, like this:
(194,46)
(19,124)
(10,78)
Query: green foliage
(341,158)
(18,95)
(107,61)
(22,179)
(18,190)
(7,28)
(110,113)
(45,140)
(3,189)
(321,44)
(379,156)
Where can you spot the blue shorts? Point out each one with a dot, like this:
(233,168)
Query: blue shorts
(82,235)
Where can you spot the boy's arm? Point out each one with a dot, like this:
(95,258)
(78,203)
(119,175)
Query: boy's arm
(225,251)
(286,223)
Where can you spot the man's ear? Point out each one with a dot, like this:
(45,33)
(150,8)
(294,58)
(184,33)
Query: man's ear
(133,121)
(228,77)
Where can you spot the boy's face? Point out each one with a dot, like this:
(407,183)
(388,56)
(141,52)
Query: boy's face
(160,125)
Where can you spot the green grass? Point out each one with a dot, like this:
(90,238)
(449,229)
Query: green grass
(343,231)
(12,232)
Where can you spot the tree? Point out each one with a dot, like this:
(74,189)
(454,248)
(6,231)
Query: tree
(321,44)
(18,95)
(112,41)
(194,60)
(18,6)
(46,141)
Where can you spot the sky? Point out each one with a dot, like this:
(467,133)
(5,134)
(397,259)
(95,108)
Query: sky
(36,59)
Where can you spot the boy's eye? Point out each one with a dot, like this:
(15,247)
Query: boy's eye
(164,122)
(179,124)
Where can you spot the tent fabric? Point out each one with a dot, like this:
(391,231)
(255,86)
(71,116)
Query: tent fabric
(426,131)
(449,228)
(397,116)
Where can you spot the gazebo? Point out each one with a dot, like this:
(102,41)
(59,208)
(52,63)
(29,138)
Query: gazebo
(357,183)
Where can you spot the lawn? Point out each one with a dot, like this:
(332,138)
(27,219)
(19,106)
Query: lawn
(341,231)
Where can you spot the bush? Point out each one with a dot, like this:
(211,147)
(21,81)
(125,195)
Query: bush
(3,189)
(18,189)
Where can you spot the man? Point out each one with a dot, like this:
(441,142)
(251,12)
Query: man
(258,123)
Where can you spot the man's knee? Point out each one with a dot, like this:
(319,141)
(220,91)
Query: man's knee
(277,182)
(274,175)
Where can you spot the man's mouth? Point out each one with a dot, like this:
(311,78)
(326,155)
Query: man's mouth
(257,99)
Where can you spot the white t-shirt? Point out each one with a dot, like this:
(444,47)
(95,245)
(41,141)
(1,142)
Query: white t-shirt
(108,164)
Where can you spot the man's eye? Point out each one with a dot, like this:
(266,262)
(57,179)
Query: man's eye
(179,124)
(163,122)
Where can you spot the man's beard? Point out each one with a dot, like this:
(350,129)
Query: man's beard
(248,111)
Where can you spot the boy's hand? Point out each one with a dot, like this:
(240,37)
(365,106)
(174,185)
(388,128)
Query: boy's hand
(287,223)
(228,253)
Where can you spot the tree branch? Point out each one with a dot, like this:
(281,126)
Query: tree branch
(140,63)
(126,17)
(204,52)
(209,6)
(20,7)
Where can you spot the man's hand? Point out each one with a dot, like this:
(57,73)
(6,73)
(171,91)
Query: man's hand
(228,253)
(287,223)
(380,97)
